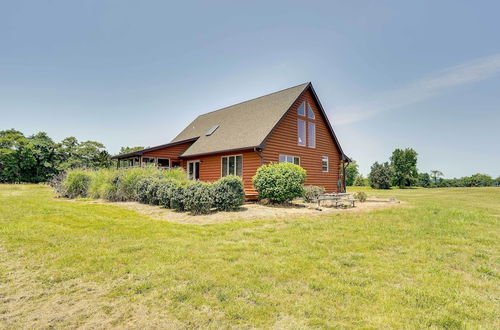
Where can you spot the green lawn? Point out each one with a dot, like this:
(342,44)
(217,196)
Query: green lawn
(431,263)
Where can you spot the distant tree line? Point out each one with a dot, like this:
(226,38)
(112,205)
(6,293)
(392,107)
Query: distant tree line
(401,171)
(37,158)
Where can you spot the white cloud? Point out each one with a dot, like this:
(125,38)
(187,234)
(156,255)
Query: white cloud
(420,90)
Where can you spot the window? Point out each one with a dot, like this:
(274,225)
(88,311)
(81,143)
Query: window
(301,132)
(147,161)
(290,159)
(302,109)
(310,112)
(311,137)
(163,163)
(194,170)
(212,130)
(324,163)
(232,165)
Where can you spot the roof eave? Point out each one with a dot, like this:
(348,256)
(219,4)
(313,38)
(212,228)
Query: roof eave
(162,146)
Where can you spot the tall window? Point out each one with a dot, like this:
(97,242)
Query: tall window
(311,135)
(290,159)
(324,163)
(232,165)
(302,109)
(310,112)
(301,132)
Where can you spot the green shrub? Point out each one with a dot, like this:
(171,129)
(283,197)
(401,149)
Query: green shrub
(141,189)
(57,183)
(98,183)
(110,189)
(229,193)
(177,197)
(198,197)
(152,191)
(280,182)
(311,193)
(175,174)
(360,195)
(76,183)
(166,190)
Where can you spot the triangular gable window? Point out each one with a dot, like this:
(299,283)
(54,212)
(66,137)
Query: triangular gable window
(301,111)
(310,112)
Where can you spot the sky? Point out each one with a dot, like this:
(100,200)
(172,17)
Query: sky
(390,74)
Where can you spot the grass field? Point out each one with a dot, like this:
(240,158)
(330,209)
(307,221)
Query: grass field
(431,263)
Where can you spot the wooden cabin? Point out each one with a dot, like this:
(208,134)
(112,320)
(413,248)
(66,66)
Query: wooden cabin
(285,126)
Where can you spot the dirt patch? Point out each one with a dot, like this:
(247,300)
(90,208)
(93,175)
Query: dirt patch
(249,211)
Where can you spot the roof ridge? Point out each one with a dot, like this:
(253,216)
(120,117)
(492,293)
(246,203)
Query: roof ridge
(255,98)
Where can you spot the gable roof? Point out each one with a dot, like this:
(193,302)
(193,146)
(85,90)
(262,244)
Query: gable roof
(241,126)
(245,125)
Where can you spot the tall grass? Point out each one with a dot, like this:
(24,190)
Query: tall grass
(115,185)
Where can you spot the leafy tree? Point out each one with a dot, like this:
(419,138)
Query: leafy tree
(360,181)
(497,181)
(424,180)
(478,180)
(380,176)
(404,166)
(126,150)
(436,176)
(351,172)
(38,158)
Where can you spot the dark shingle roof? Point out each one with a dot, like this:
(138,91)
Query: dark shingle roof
(243,125)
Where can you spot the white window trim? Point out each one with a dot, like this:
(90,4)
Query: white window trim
(315,133)
(222,167)
(187,167)
(305,132)
(307,110)
(280,155)
(327,164)
(169,162)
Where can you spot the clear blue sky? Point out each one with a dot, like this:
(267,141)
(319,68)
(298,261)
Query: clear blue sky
(421,74)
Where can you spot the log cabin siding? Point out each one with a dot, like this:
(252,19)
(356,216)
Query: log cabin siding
(283,141)
(211,167)
(172,152)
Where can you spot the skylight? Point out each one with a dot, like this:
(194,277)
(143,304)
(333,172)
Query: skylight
(212,130)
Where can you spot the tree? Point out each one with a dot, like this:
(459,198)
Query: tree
(478,180)
(380,176)
(351,172)
(404,166)
(436,176)
(126,150)
(424,180)
(497,181)
(360,181)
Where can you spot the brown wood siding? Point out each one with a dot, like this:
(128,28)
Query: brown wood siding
(283,141)
(170,152)
(211,167)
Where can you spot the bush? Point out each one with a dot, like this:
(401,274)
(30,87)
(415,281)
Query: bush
(198,197)
(311,193)
(152,191)
(380,176)
(97,186)
(57,183)
(360,195)
(141,189)
(279,182)
(76,183)
(229,193)
(177,196)
(166,189)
